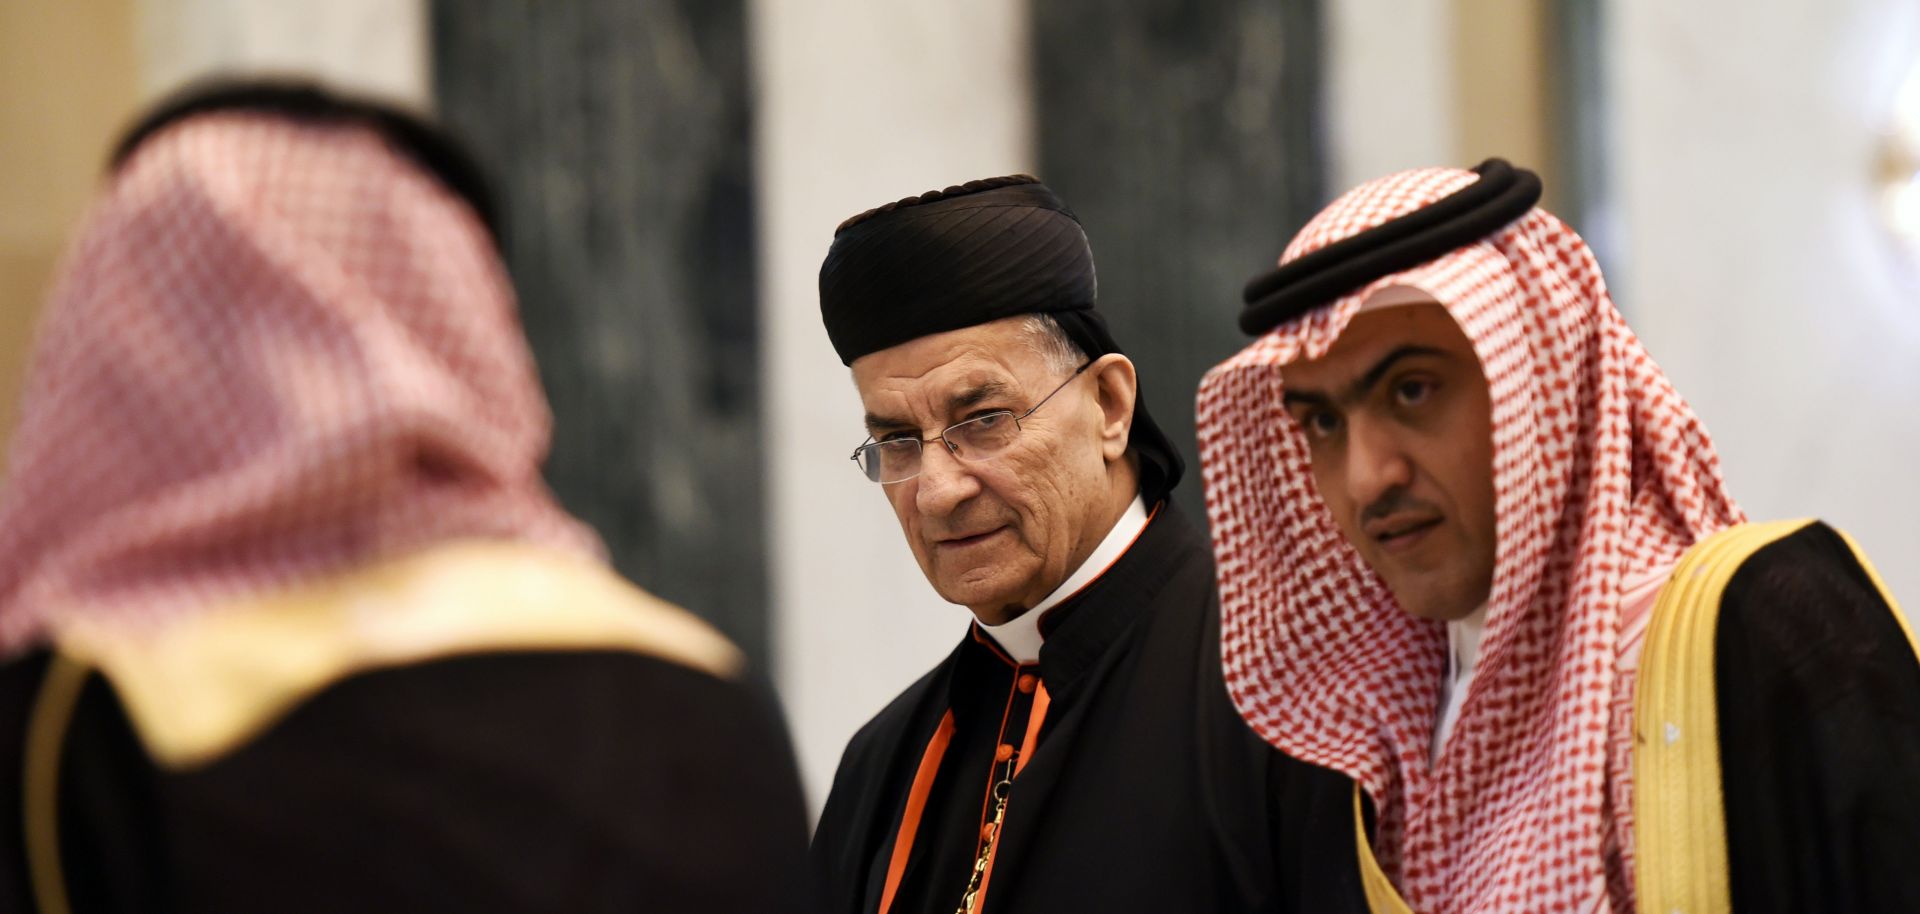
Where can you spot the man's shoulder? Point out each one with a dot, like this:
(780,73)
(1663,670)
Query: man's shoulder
(1176,531)
(881,752)
(1809,596)
(1817,721)
(210,682)
(911,710)
(1801,569)
(1171,562)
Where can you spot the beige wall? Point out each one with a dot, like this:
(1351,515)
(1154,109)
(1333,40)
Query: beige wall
(1760,271)
(1502,86)
(1389,90)
(68,80)
(1415,83)
(73,72)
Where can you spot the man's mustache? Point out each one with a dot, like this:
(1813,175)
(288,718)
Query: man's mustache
(1395,501)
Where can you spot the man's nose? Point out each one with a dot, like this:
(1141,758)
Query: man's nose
(945,480)
(1377,460)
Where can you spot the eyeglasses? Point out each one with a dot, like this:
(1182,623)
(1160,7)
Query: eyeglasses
(898,459)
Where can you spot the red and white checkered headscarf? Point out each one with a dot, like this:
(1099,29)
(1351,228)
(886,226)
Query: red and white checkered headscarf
(276,350)
(1601,472)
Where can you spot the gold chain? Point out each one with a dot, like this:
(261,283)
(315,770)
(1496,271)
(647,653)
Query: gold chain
(1001,789)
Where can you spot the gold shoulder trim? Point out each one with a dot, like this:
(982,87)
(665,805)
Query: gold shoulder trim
(1679,820)
(1873,574)
(200,687)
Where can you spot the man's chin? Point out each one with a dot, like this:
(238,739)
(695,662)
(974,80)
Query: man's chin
(998,613)
(991,605)
(980,601)
(1425,603)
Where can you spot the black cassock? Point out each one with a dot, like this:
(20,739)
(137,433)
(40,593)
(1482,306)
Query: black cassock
(1143,790)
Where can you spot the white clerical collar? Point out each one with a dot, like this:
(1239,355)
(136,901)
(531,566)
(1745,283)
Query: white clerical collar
(1020,637)
(1463,654)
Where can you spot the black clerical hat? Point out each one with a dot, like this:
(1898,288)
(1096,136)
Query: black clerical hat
(967,255)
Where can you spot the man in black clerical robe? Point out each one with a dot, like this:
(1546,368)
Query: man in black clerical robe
(1477,557)
(1077,750)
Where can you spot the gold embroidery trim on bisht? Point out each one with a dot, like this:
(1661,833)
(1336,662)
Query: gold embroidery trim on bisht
(1679,823)
(1873,574)
(200,687)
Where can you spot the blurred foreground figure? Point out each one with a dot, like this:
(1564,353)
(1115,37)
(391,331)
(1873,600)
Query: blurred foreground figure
(1476,555)
(290,621)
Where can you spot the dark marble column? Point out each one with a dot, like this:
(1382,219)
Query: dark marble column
(1578,122)
(617,133)
(1185,134)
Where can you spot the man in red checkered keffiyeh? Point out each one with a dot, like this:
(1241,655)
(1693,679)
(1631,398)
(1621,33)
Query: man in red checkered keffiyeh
(278,349)
(288,619)
(1448,490)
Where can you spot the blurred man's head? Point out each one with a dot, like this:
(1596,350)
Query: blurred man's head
(420,143)
(282,344)
(1006,428)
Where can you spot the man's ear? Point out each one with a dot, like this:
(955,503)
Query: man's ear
(1115,388)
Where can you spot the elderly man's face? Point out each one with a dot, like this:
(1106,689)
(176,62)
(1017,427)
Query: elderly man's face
(1398,421)
(997,534)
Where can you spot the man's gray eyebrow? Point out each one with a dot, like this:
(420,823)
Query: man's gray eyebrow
(985,390)
(877,422)
(978,393)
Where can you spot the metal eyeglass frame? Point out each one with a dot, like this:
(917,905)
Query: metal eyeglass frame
(954,449)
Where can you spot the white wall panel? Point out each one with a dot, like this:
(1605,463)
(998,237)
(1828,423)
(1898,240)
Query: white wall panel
(1744,142)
